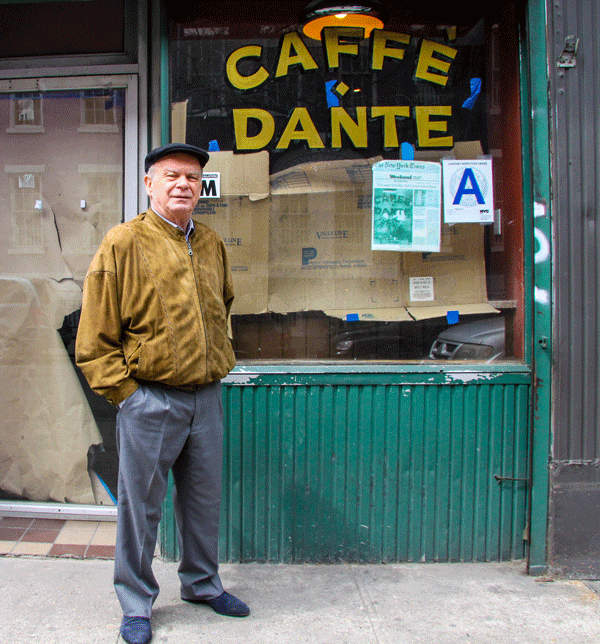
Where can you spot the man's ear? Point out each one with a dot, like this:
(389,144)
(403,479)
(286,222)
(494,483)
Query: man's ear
(147,184)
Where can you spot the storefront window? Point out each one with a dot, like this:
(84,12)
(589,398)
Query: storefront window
(61,181)
(368,189)
(68,174)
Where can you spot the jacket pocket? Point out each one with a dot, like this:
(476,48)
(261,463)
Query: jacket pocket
(155,361)
(133,358)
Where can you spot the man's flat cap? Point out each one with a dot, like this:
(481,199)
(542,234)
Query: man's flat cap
(174,148)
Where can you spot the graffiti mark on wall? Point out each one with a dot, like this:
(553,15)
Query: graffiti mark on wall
(543,252)
(541,296)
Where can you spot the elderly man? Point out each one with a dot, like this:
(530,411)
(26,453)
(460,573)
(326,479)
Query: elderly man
(153,340)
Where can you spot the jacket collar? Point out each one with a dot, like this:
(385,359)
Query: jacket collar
(168,227)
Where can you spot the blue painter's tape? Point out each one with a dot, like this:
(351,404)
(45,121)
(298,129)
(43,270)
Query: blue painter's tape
(407,152)
(475,91)
(106,488)
(452,317)
(332,99)
(213,146)
(352,317)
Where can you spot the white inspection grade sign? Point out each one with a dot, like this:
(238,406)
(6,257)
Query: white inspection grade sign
(468,191)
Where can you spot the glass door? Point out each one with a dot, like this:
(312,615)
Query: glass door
(68,174)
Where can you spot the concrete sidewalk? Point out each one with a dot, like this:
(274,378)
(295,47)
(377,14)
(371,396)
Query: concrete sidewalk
(62,601)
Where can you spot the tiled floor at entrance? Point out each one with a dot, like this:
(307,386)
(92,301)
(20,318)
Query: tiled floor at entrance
(57,538)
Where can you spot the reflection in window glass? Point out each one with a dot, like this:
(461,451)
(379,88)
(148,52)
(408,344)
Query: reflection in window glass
(99,111)
(26,113)
(104,191)
(63,189)
(26,210)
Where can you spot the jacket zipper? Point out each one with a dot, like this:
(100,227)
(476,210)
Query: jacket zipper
(191,254)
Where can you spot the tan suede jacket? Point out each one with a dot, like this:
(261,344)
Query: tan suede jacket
(155,309)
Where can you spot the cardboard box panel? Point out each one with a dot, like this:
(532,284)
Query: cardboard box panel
(370,315)
(456,274)
(245,175)
(244,227)
(320,255)
(307,247)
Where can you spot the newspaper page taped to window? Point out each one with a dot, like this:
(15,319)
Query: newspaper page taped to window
(407,206)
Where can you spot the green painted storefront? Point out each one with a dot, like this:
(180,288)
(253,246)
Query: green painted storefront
(394,463)
(331,461)
(370,465)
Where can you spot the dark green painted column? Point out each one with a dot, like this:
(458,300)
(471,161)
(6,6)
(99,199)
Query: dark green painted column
(538,258)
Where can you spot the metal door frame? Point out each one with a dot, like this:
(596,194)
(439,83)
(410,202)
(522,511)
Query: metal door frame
(535,121)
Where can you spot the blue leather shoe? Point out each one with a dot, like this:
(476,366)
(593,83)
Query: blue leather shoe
(136,630)
(224,604)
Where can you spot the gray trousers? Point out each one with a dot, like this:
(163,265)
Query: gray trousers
(159,429)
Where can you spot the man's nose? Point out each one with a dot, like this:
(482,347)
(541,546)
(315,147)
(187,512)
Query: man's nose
(183,182)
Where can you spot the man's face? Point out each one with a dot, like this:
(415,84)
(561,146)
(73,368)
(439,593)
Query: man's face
(173,185)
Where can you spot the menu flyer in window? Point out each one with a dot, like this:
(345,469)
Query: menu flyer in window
(407,197)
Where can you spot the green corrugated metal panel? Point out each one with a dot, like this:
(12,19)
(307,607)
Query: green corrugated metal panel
(379,472)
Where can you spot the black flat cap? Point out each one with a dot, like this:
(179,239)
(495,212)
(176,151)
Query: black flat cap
(174,148)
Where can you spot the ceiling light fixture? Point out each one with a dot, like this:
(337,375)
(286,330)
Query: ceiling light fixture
(366,14)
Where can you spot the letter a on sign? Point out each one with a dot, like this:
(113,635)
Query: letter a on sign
(468,191)
(471,189)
